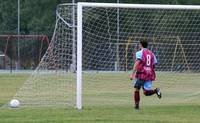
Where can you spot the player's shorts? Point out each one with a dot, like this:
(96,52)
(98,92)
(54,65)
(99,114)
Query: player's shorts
(145,84)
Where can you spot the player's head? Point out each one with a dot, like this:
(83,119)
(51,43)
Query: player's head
(143,43)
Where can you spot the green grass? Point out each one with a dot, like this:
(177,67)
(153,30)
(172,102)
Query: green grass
(9,84)
(110,101)
(126,114)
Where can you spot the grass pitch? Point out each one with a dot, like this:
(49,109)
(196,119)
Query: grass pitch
(105,104)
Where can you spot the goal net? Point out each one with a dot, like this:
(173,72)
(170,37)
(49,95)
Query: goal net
(95,46)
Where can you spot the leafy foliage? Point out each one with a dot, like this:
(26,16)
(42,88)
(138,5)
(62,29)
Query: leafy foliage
(38,16)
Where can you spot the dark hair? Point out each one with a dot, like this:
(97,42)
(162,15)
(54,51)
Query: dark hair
(144,43)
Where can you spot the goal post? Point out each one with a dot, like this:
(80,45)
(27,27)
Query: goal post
(93,48)
(27,42)
(79,57)
(80,7)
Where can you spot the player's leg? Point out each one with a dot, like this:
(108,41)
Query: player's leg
(158,92)
(136,92)
(148,91)
(136,97)
(147,88)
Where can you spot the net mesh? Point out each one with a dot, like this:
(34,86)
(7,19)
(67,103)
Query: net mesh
(53,81)
(110,41)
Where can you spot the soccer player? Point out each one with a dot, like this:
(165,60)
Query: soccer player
(144,73)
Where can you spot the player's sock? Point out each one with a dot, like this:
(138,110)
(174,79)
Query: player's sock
(149,92)
(137,99)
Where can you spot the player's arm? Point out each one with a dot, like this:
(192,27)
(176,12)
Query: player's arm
(135,69)
(155,61)
(136,64)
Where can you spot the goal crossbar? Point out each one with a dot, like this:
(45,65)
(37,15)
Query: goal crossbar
(144,6)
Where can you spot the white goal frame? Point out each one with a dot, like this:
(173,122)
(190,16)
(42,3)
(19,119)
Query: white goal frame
(80,6)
